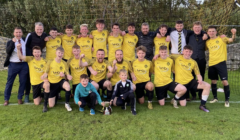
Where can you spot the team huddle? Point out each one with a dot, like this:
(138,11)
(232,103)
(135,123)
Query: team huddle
(119,64)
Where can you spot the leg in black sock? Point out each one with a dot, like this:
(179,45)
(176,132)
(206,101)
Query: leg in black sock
(227,92)
(214,90)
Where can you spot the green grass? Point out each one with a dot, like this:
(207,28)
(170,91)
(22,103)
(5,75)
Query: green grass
(163,122)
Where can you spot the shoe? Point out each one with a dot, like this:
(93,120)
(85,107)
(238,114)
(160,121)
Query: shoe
(26,99)
(44,109)
(81,109)
(92,112)
(227,104)
(124,107)
(188,99)
(175,104)
(214,100)
(168,97)
(193,98)
(150,105)
(67,106)
(59,96)
(172,101)
(134,112)
(20,101)
(6,103)
(203,108)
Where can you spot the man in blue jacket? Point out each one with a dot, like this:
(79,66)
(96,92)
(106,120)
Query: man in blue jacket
(86,93)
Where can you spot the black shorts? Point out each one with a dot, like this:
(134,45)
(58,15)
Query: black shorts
(37,90)
(140,87)
(55,88)
(191,86)
(218,69)
(162,91)
(100,83)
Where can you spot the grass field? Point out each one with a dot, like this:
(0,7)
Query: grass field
(28,122)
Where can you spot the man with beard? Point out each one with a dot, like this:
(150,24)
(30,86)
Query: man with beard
(98,68)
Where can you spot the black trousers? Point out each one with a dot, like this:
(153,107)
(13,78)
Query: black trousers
(202,68)
(90,100)
(127,97)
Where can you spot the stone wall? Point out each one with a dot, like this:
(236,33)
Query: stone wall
(233,60)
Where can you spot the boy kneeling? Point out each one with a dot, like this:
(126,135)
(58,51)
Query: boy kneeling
(86,93)
(123,93)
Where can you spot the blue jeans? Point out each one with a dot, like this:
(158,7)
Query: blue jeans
(13,69)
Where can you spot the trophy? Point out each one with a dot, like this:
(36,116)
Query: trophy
(107,109)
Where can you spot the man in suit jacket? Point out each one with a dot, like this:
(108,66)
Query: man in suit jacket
(15,66)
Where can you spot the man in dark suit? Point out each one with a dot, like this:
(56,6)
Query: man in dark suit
(15,66)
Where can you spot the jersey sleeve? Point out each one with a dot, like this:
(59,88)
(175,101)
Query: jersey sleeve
(196,69)
(47,66)
(151,67)
(28,58)
(90,61)
(225,40)
(66,68)
(173,66)
(68,62)
(130,69)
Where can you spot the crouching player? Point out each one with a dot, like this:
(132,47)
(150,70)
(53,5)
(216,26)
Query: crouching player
(56,70)
(184,65)
(86,93)
(36,67)
(163,66)
(123,93)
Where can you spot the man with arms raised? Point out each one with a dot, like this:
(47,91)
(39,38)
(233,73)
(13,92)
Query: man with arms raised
(217,61)
(36,67)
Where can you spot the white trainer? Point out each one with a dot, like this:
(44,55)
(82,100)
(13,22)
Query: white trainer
(68,107)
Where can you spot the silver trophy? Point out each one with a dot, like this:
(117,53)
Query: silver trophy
(107,108)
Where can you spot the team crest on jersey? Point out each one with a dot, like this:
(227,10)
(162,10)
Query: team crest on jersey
(41,65)
(88,41)
(61,68)
(189,64)
(103,34)
(119,40)
(58,41)
(217,41)
(145,66)
(135,40)
(72,38)
(168,63)
(124,67)
(103,66)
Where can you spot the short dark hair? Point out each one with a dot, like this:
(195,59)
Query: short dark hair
(131,24)
(212,27)
(115,24)
(101,50)
(60,49)
(187,47)
(76,47)
(163,47)
(141,48)
(54,29)
(118,50)
(163,26)
(36,48)
(179,22)
(84,76)
(17,28)
(100,21)
(69,26)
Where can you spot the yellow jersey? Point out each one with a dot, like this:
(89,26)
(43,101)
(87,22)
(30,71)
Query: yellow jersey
(85,44)
(36,69)
(217,50)
(76,70)
(101,69)
(51,46)
(124,65)
(162,71)
(99,41)
(128,47)
(114,43)
(141,70)
(67,43)
(184,68)
(160,42)
(54,68)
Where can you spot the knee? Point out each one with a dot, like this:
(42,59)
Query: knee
(67,88)
(150,86)
(36,103)
(225,82)
(93,95)
(47,85)
(214,81)
(183,89)
(51,105)
(208,86)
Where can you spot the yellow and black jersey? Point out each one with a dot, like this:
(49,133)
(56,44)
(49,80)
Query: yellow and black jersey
(36,69)
(124,65)
(76,70)
(101,69)
(128,47)
(217,50)
(141,70)
(114,43)
(54,68)
(99,41)
(85,44)
(67,43)
(183,70)
(160,42)
(162,71)
(51,46)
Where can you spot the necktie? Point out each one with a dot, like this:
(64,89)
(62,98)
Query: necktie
(179,42)
(19,41)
